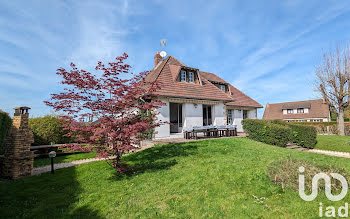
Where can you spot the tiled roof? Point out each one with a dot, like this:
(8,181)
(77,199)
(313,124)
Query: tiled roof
(241,99)
(318,109)
(296,105)
(168,69)
(212,77)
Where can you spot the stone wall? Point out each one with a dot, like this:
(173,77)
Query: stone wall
(18,159)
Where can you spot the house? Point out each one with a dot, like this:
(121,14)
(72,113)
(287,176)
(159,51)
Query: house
(300,111)
(196,98)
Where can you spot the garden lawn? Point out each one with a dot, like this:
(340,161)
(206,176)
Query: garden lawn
(212,178)
(333,143)
(63,157)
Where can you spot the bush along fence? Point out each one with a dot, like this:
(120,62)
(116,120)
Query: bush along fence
(326,128)
(278,132)
(48,129)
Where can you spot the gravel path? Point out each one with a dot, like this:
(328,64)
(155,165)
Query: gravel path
(317,151)
(47,168)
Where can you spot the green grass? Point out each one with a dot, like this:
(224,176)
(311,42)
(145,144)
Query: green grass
(212,178)
(333,143)
(65,157)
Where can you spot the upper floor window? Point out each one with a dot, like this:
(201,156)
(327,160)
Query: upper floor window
(183,75)
(289,111)
(190,77)
(223,88)
(300,110)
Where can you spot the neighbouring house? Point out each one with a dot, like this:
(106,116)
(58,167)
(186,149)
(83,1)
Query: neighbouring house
(196,98)
(300,111)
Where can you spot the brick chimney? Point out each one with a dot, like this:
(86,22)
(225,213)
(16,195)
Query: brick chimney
(18,161)
(157,59)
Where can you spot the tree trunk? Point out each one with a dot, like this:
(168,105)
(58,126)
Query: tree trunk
(340,120)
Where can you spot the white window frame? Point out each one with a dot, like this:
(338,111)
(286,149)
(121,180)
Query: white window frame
(223,87)
(230,117)
(190,77)
(289,111)
(300,110)
(183,76)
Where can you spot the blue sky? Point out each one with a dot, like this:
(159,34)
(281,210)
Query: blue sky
(268,49)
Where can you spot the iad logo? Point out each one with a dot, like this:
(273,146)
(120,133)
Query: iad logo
(343,211)
(328,188)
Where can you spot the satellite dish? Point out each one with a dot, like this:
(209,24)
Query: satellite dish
(162,54)
(163,42)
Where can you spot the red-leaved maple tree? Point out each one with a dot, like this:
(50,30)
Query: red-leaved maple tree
(110,112)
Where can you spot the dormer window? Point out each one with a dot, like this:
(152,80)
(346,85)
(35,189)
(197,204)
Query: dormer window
(223,88)
(183,75)
(289,111)
(190,77)
(300,110)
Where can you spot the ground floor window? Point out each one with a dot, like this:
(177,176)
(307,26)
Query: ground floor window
(245,114)
(229,117)
(207,117)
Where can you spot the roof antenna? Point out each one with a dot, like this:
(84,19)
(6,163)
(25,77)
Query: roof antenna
(163,44)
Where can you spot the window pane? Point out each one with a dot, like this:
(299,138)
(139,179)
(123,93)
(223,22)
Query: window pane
(204,115)
(180,114)
(223,87)
(245,114)
(209,115)
(229,117)
(190,76)
(183,75)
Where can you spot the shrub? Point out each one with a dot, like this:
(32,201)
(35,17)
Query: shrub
(279,132)
(5,123)
(48,129)
(302,135)
(267,132)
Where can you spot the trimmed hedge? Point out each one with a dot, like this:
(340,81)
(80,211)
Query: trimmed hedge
(279,132)
(47,130)
(302,135)
(5,124)
(267,132)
